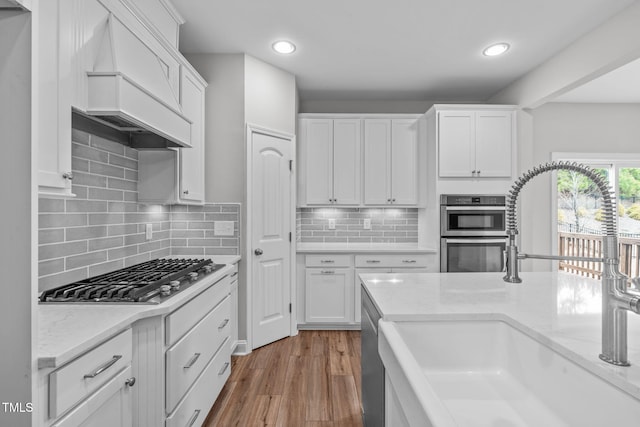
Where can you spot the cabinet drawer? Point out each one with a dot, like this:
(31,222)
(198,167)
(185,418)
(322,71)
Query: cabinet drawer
(188,357)
(193,410)
(81,377)
(391,260)
(329,260)
(183,319)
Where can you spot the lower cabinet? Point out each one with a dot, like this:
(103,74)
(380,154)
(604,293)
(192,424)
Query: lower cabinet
(95,388)
(329,295)
(393,413)
(331,290)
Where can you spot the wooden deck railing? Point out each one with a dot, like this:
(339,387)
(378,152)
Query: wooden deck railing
(589,245)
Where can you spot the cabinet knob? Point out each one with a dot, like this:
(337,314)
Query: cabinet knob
(393,200)
(68,175)
(478,173)
(185,192)
(130,381)
(258,251)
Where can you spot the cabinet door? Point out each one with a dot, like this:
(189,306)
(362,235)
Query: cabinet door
(109,406)
(192,159)
(456,143)
(329,295)
(377,167)
(404,162)
(493,143)
(346,161)
(318,141)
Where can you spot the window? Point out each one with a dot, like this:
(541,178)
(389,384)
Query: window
(580,216)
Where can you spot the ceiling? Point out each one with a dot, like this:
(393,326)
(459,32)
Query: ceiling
(394,50)
(618,86)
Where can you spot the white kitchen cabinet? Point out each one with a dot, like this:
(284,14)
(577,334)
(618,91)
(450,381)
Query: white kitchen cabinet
(391,162)
(476,142)
(233,297)
(394,415)
(331,168)
(71,55)
(329,296)
(330,285)
(95,388)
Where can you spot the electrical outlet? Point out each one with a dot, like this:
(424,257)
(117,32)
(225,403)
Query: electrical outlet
(223,228)
(332,224)
(148,231)
(366,224)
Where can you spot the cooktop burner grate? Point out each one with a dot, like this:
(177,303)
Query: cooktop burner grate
(136,283)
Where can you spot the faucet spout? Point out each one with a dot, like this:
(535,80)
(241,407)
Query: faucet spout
(616,298)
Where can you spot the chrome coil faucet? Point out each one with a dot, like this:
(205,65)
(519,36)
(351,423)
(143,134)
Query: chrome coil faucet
(617,299)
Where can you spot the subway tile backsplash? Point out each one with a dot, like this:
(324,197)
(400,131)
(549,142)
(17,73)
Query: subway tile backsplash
(388,225)
(103,228)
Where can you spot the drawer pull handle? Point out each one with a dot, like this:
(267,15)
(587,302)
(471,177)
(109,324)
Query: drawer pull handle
(373,261)
(327,261)
(193,418)
(192,361)
(234,274)
(327,272)
(223,324)
(224,368)
(409,261)
(104,367)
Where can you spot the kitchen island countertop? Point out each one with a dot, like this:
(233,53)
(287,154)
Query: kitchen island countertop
(559,309)
(65,331)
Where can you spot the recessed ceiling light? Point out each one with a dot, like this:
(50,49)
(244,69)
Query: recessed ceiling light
(284,46)
(496,49)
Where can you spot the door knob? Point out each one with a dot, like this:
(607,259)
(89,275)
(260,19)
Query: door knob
(258,251)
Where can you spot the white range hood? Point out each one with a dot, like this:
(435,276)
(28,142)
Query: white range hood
(131,89)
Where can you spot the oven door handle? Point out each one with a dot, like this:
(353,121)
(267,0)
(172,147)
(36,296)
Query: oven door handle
(475,208)
(476,240)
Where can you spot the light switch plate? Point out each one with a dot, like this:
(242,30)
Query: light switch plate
(148,231)
(223,228)
(366,224)
(332,224)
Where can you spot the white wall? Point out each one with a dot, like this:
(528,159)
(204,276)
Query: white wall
(564,127)
(17,219)
(270,96)
(224,125)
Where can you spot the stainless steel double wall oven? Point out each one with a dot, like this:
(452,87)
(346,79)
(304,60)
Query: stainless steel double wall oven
(472,232)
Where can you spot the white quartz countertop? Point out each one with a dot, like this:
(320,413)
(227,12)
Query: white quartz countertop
(65,331)
(310,247)
(560,310)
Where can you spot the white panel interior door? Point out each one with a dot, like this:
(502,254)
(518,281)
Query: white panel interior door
(270,218)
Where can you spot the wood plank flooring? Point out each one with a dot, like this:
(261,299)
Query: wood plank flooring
(310,380)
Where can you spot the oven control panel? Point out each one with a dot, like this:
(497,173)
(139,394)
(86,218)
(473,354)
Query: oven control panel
(472,200)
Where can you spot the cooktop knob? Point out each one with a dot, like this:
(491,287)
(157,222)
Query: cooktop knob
(193,275)
(208,268)
(165,290)
(175,285)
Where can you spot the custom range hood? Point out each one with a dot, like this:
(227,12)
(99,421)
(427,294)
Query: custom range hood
(133,92)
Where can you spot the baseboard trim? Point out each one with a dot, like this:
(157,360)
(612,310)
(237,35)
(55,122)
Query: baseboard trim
(241,348)
(328,326)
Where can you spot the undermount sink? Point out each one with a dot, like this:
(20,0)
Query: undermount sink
(488,373)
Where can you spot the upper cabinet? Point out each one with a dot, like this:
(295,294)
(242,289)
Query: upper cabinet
(391,161)
(116,62)
(332,161)
(177,176)
(474,140)
(360,160)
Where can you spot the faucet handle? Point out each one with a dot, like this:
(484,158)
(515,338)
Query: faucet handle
(635,283)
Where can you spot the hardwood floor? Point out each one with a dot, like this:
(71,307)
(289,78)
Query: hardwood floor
(310,380)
